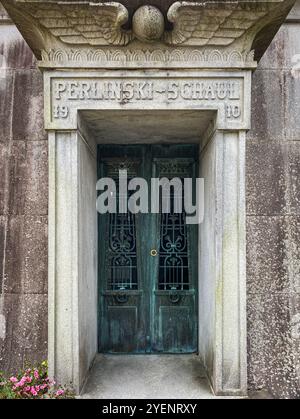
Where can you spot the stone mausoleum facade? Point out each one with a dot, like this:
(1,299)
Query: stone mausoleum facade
(207,89)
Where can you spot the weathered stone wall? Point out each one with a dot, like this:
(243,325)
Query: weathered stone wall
(273,214)
(23,204)
(273,197)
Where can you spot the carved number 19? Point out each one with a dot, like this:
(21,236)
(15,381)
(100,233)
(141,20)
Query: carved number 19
(60,111)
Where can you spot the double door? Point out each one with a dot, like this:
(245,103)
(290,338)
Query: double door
(148,261)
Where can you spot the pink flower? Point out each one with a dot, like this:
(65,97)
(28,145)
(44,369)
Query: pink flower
(33,391)
(44,386)
(27,389)
(28,380)
(59,393)
(22,382)
(37,388)
(28,371)
(36,374)
(13,380)
(51,382)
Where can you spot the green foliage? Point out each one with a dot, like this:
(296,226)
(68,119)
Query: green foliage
(32,383)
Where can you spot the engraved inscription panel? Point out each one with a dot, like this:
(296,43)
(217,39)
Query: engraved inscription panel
(68,95)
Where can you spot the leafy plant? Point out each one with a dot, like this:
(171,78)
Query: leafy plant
(32,383)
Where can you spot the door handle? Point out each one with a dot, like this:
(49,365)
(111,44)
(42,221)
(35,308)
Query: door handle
(174,297)
(121,298)
(154,253)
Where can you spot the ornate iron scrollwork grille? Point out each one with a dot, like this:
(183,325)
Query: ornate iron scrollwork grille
(121,254)
(122,261)
(173,252)
(174,258)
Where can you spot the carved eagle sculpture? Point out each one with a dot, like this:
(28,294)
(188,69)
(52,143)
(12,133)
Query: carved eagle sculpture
(101,23)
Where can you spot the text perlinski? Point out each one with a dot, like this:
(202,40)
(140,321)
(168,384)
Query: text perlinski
(125,91)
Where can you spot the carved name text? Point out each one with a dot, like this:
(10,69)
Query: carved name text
(124,91)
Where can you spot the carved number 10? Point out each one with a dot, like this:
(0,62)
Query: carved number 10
(233,111)
(60,111)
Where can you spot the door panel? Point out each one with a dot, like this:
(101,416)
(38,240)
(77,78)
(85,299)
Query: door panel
(176,331)
(148,269)
(122,318)
(123,328)
(175,272)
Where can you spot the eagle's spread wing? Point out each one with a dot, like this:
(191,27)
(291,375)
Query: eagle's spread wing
(211,23)
(80,23)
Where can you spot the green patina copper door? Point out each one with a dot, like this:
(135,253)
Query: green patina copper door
(148,262)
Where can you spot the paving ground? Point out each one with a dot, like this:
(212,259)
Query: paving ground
(147,377)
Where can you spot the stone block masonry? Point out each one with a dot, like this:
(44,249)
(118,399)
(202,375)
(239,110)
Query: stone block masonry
(23,204)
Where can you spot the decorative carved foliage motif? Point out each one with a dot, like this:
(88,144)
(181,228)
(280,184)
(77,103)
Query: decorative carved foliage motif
(148,56)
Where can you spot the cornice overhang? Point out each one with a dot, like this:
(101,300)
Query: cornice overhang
(104,33)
